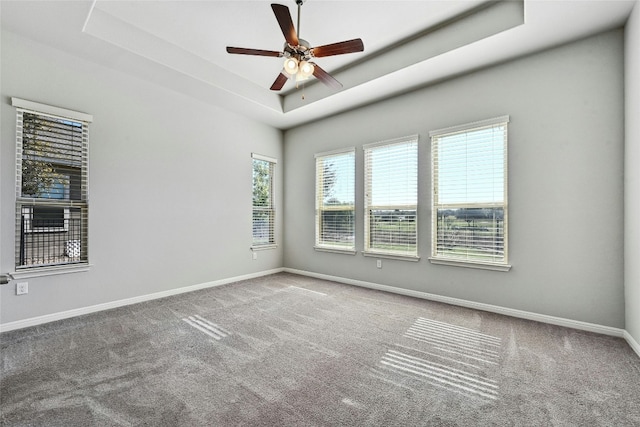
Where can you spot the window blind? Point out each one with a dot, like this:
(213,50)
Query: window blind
(469,216)
(51,189)
(335,200)
(263,221)
(391,197)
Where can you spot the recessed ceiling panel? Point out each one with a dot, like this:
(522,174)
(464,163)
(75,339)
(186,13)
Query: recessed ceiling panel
(205,28)
(180,45)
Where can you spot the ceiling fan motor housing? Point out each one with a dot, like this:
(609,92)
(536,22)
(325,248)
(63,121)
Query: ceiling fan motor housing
(301,51)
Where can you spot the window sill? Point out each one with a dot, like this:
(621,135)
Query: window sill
(412,258)
(335,250)
(470,264)
(27,273)
(263,247)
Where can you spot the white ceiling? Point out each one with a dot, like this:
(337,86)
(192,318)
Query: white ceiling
(181,44)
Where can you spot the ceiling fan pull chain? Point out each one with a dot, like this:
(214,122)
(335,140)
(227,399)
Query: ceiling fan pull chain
(298,87)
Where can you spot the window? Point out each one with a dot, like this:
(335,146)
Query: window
(469,215)
(335,201)
(51,185)
(391,198)
(263,205)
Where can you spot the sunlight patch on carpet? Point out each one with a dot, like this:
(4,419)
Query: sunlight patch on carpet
(352,403)
(200,323)
(457,340)
(441,374)
(446,356)
(297,288)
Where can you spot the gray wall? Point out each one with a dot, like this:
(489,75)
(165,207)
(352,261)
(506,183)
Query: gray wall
(632,174)
(161,162)
(170,184)
(565,182)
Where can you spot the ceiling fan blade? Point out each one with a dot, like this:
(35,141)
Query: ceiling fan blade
(339,48)
(326,78)
(257,52)
(286,23)
(280,81)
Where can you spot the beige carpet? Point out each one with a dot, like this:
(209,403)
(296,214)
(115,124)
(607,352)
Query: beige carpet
(295,351)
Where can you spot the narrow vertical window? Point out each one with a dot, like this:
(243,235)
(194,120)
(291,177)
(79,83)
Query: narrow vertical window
(335,201)
(52,201)
(391,198)
(263,204)
(469,175)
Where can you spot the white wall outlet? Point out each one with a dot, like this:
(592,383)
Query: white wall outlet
(22,288)
(255,255)
(379,263)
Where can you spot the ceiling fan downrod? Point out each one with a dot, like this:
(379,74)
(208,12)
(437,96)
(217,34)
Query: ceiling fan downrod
(299,3)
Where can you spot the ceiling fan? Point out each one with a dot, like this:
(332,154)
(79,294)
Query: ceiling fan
(298,53)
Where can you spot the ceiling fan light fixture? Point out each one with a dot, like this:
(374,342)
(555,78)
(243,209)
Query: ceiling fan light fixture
(305,69)
(291,66)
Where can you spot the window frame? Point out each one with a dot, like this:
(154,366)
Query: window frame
(270,209)
(368,202)
(26,203)
(320,209)
(435,136)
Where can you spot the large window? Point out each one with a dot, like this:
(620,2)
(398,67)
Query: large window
(391,198)
(264,213)
(51,185)
(335,200)
(469,175)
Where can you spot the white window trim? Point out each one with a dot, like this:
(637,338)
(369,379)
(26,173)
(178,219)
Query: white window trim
(44,109)
(264,158)
(263,247)
(266,246)
(399,140)
(334,248)
(335,152)
(28,273)
(470,264)
(467,126)
(374,254)
(484,265)
(25,106)
(381,254)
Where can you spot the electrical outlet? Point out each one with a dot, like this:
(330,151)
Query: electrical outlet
(22,288)
(379,263)
(255,255)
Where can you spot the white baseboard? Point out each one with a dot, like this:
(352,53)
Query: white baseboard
(632,343)
(559,321)
(606,330)
(34,321)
